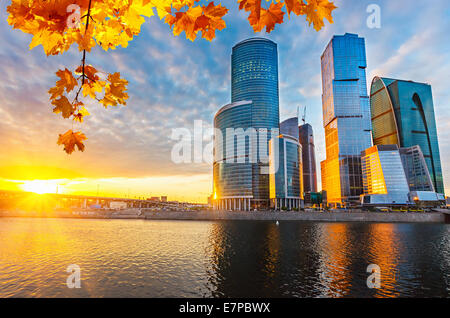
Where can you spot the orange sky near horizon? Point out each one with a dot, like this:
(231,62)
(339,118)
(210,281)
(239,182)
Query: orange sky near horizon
(144,187)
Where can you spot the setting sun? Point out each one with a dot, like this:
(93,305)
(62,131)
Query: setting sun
(39,186)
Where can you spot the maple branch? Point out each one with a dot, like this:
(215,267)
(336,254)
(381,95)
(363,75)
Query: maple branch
(88,15)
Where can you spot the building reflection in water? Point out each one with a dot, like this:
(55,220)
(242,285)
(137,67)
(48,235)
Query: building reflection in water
(260,259)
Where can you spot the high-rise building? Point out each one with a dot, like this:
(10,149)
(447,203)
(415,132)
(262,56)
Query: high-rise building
(286,184)
(232,168)
(346,117)
(403,114)
(306,139)
(255,105)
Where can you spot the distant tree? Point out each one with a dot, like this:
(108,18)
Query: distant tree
(57,24)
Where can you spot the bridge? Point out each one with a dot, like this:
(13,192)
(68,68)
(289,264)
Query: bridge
(17,199)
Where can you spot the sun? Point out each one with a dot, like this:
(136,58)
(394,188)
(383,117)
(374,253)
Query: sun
(39,186)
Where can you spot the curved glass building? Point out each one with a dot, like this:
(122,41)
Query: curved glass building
(232,170)
(403,115)
(254,77)
(286,179)
(241,174)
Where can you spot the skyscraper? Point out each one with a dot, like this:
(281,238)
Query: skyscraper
(346,117)
(306,139)
(403,115)
(255,105)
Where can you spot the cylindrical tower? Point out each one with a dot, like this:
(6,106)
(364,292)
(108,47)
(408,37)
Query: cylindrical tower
(232,170)
(254,77)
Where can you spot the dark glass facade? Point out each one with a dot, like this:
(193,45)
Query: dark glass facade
(290,127)
(403,114)
(306,139)
(416,170)
(346,117)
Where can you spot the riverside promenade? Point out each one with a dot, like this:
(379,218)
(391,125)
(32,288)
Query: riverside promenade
(438,216)
(359,216)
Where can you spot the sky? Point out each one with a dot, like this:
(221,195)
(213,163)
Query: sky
(174,82)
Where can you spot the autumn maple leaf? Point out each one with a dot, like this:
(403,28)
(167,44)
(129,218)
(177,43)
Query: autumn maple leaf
(317,10)
(261,18)
(71,139)
(66,82)
(62,105)
(271,16)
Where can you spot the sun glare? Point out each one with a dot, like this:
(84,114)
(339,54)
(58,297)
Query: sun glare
(39,186)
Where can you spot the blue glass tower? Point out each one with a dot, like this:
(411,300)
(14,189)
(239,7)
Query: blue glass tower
(346,117)
(255,105)
(254,77)
(403,115)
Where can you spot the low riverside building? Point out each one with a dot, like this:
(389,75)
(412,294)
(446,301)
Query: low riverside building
(286,173)
(393,176)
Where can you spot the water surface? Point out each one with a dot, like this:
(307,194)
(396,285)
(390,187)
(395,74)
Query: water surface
(143,258)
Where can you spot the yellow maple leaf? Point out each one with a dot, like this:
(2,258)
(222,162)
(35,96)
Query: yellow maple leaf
(81,113)
(115,91)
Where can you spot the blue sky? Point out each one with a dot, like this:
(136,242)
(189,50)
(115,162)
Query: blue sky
(173,81)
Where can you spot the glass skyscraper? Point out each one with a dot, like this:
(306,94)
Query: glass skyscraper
(346,117)
(403,114)
(306,139)
(255,104)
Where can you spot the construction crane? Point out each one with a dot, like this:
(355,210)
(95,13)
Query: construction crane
(304,114)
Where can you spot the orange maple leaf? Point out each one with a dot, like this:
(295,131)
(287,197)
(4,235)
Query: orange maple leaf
(71,139)
(317,10)
(261,18)
(63,106)
(296,6)
(66,82)
(271,16)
